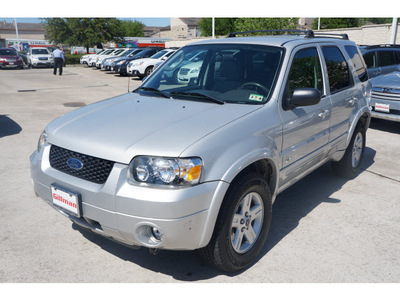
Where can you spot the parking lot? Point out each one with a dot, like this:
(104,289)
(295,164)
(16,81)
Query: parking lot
(324,228)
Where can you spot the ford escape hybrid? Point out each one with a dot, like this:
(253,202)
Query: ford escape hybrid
(197,164)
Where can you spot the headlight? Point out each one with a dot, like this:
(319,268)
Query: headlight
(165,171)
(42,140)
(120,62)
(195,70)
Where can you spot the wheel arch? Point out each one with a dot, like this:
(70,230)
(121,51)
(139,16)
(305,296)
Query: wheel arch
(265,167)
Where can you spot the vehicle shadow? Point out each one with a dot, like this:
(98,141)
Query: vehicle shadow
(385,125)
(289,208)
(8,126)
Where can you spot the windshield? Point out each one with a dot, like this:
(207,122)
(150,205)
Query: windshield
(159,54)
(40,51)
(135,52)
(118,52)
(8,52)
(235,73)
(107,52)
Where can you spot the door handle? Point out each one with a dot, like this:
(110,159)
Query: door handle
(323,114)
(353,101)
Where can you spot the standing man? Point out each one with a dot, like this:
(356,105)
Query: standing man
(59,59)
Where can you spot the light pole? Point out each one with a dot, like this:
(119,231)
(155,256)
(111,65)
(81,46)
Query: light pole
(394,32)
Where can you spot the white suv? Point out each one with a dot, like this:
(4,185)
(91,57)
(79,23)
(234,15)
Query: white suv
(39,56)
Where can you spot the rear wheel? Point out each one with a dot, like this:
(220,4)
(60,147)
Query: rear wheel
(350,163)
(242,225)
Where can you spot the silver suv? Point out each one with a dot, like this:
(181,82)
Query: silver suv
(198,165)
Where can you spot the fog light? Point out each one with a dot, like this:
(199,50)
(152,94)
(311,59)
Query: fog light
(157,235)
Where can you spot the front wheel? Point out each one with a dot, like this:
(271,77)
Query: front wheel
(242,225)
(350,163)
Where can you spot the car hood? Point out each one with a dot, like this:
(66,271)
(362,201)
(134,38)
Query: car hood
(391,80)
(192,65)
(10,56)
(121,128)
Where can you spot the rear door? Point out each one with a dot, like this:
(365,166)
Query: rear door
(343,92)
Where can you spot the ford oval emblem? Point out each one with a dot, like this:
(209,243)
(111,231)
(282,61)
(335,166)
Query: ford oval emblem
(75,163)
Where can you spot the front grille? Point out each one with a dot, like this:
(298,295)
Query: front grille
(94,169)
(386,94)
(184,71)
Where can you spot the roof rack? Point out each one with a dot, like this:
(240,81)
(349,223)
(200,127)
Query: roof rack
(381,46)
(307,33)
(343,36)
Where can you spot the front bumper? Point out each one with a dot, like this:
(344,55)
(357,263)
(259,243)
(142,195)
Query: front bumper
(386,107)
(17,64)
(127,213)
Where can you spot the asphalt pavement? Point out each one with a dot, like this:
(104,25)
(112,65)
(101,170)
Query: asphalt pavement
(324,228)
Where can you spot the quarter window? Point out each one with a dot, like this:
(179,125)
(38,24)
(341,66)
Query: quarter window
(338,70)
(305,71)
(357,62)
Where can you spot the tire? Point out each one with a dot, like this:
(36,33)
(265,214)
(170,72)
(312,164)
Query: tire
(242,225)
(148,71)
(350,163)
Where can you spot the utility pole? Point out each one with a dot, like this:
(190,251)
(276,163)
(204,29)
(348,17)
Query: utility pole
(16,32)
(394,32)
(213,27)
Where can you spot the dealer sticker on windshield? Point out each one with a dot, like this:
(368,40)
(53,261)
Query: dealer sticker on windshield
(255,97)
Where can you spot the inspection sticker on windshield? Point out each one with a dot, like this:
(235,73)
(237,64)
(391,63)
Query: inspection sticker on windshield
(255,97)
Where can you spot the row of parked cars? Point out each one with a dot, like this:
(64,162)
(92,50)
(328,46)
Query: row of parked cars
(35,57)
(138,62)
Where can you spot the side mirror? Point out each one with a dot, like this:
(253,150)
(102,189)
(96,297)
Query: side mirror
(303,97)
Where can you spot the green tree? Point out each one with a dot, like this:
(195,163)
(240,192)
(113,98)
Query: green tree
(335,23)
(247,24)
(86,32)
(222,26)
(133,28)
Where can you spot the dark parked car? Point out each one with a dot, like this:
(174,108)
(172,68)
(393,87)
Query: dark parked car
(381,59)
(120,66)
(9,57)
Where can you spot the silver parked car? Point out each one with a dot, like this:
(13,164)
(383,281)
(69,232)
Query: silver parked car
(385,100)
(198,165)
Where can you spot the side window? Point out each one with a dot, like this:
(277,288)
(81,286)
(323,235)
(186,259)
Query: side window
(370,59)
(357,62)
(397,57)
(338,70)
(305,71)
(386,58)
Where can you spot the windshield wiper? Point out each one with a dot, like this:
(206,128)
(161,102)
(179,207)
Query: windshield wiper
(196,94)
(151,89)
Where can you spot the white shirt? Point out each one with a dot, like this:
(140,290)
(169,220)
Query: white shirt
(58,54)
